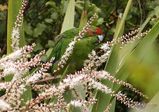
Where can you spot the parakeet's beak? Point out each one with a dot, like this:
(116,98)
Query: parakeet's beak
(100,37)
(100,34)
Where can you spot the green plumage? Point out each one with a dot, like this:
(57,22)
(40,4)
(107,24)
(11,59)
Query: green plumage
(80,52)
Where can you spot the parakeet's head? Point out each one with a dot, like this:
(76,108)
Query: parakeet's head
(100,34)
(96,32)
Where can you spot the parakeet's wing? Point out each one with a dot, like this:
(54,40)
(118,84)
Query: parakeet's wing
(62,41)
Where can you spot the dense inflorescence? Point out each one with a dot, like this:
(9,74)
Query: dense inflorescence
(15,36)
(28,71)
(16,87)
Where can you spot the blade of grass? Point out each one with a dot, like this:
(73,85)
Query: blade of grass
(147,41)
(84,15)
(139,52)
(111,65)
(122,23)
(127,50)
(142,45)
(152,106)
(68,22)
(84,18)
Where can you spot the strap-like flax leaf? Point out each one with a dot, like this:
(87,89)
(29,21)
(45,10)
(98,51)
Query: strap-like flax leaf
(13,9)
(103,99)
(68,22)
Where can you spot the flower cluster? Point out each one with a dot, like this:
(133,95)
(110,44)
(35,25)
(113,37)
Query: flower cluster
(108,108)
(15,36)
(15,89)
(70,82)
(40,73)
(10,64)
(18,64)
(14,92)
(129,38)
(97,58)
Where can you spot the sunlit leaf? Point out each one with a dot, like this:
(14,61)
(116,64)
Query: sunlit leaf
(68,22)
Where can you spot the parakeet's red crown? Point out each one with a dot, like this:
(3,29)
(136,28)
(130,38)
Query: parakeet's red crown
(99,31)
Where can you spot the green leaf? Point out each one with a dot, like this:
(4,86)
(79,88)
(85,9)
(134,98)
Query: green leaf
(48,20)
(152,106)
(27,95)
(51,43)
(144,58)
(54,16)
(68,22)
(100,21)
(49,53)
(50,3)
(84,18)
(39,29)
(112,64)
(147,41)
(13,9)
(28,29)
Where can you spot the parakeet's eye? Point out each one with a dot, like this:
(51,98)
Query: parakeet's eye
(99,31)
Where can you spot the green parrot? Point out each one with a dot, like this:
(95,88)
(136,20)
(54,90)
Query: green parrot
(81,49)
